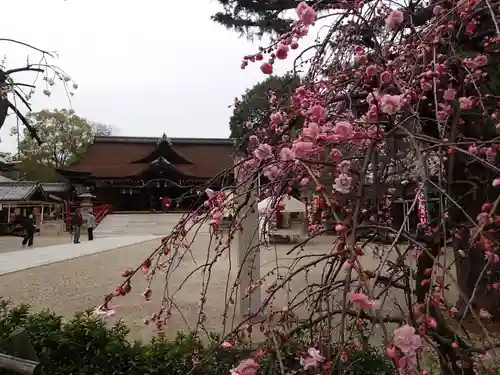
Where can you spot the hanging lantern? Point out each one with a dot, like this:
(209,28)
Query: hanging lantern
(158,185)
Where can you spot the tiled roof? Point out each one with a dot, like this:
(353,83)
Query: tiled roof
(55,187)
(114,157)
(6,166)
(155,140)
(18,190)
(164,150)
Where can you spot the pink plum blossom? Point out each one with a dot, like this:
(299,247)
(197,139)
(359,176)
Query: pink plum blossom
(390,104)
(470,63)
(286,154)
(394,20)
(276,118)
(306,13)
(344,166)
(302,149)
(449,94)
(335,155)
(246,367)
(386,77)
(371,70)
(263,152)
(406,340)
(271,172)
(465,103)
(437,10)
(282,51)
(216,218)
(391,351)
(318,112)
(340,227)
(226,345)
(343,183)
(481,60)
(311,132)
(496,182)
(266,68)
(406,365)
(362,301)
(312,360)
(483,218)
(343,129)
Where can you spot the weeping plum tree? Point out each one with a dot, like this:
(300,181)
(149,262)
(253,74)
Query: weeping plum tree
(399,101)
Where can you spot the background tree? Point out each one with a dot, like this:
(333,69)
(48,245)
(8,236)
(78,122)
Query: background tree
(66,137)
(256,18)
(254,106)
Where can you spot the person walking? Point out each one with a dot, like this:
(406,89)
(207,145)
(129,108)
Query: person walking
(76,223)
(90,225)
(29,227)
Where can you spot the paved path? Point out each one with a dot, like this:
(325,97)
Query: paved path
(114,232)
(24,259)
(137,224)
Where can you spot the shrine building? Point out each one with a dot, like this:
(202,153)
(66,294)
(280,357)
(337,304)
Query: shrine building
(134,173)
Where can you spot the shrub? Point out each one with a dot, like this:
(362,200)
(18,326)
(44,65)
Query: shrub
(85,345)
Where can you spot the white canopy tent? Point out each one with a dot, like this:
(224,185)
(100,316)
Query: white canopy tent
(291,204)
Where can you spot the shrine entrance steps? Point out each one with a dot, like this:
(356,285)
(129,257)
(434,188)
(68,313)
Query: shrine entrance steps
(121,224)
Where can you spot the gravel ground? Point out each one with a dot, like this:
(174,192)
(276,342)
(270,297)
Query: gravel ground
(80,284)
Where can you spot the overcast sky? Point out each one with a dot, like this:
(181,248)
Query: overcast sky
(145,67)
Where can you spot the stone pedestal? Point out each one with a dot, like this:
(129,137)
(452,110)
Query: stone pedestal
(249,259)
(248,244)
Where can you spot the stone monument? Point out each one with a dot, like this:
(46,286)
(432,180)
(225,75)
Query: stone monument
(86,204)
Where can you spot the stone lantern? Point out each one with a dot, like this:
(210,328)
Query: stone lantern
(86,204)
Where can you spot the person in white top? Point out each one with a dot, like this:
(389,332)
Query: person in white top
(90,225)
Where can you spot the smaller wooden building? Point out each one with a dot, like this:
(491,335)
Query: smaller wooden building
(21,198)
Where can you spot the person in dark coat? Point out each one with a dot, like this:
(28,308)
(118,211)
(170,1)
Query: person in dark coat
(76,223)
(152,202)
(29,227)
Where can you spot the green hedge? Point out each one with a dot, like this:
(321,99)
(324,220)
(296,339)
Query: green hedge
(87,346)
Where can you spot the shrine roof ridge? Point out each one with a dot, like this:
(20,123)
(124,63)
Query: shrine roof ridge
(151,140)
